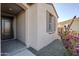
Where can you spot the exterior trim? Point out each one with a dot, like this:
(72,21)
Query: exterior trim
(53,8)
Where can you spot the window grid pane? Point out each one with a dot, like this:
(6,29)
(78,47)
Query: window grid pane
(50,23)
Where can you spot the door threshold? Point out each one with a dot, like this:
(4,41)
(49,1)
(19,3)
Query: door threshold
(7,39)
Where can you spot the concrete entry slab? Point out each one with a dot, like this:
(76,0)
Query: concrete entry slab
(14,48)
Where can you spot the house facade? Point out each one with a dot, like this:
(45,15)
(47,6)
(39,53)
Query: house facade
(35,25)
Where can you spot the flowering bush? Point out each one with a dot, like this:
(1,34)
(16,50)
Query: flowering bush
(71,42)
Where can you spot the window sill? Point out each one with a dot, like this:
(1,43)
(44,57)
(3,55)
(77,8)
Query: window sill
(50,32)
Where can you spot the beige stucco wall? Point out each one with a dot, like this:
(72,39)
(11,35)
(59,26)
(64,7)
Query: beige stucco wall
(37,35)
(32,26)
(44,38)
(20,27)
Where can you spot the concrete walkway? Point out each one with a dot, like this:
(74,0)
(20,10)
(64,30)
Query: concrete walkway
(14,48)
(17,48)
(55,48)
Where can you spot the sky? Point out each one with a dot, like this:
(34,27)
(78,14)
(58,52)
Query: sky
(66,11)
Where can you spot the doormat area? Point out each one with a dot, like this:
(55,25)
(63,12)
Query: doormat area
(11,46)
(55,48)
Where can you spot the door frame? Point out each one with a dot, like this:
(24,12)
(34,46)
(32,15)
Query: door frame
(12,34)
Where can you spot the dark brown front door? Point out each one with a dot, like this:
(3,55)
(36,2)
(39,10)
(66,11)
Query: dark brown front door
(7,29)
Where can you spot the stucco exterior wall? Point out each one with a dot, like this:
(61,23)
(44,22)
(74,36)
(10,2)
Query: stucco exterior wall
(37,35)
(20,27)
(44,38)
(32,26)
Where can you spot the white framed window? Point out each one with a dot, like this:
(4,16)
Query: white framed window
(50,23)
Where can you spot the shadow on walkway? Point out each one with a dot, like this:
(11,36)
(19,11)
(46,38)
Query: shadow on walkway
(55,48)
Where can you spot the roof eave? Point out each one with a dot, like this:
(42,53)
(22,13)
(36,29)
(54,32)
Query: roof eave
(54,9)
